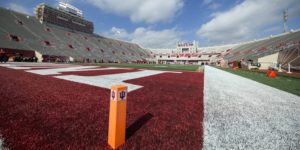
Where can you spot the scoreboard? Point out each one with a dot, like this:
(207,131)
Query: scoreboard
(66,16)
(187,47)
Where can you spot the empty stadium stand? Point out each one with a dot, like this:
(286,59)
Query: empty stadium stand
(29,36)
(20,33)
(286,48)
(286,45)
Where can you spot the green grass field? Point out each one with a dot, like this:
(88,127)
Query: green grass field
(154,66)
(285,83)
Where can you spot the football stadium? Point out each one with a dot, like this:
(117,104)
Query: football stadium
(64,85)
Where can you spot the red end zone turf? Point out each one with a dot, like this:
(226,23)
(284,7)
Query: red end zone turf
(42,112)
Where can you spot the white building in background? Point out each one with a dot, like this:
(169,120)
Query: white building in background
(187,47)
(184,53)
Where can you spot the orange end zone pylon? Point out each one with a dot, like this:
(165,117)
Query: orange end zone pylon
(271,74)
(117,116)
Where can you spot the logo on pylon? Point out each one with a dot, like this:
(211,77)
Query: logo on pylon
(122,95)
(113,95)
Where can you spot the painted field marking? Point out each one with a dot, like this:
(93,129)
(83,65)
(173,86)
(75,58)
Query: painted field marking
(5,65)
(27,67)
(166,71)
(24,66)
(56,71)
(107,81)
(103,81)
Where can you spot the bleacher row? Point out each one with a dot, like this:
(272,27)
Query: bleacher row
(22,32)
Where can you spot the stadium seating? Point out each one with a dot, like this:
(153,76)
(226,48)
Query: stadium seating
(290,56)
(22,32)
(255,49)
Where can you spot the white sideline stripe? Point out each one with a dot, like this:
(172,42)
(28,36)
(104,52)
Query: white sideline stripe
(240,113)
(25,68)
(5,65)
(34,65)
(38,64)
(107,81)
(56,71)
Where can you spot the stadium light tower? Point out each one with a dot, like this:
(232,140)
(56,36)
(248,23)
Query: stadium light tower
(285,18)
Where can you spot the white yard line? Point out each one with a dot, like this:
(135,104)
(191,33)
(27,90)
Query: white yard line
(240,113)
(56,71)
(39,64)
(107,81)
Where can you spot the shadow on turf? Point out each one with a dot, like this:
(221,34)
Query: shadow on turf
(130,131)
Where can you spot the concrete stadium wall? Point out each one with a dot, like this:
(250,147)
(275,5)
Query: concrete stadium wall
(268,61)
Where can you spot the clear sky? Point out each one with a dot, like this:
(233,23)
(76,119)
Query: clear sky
(163,23)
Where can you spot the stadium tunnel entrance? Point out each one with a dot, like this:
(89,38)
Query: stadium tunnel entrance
(20,55)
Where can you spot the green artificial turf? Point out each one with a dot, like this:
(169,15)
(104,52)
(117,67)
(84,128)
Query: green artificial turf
(285,83)
(154,66)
